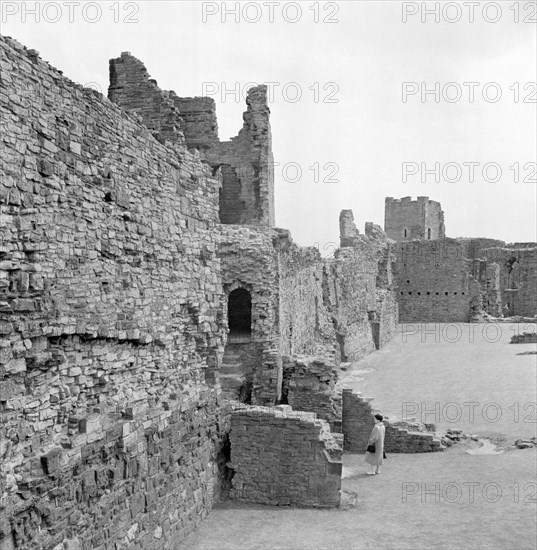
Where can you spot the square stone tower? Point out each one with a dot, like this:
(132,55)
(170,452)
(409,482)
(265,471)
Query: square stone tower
(406,220)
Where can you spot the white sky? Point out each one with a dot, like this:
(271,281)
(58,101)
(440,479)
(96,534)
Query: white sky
(364,58)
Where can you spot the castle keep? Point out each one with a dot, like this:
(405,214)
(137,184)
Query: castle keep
(407,220)
(162,344)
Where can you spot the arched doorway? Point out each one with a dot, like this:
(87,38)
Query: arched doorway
(429,233)
(239,314)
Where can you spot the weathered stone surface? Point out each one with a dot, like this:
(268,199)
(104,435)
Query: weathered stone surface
(406,220)
(118,256)
(310,385)
(110,272)
(448,280)
(284,457)
(401,437)
(245,163)
(435,282)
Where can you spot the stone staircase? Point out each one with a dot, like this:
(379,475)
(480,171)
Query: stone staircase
(231,375)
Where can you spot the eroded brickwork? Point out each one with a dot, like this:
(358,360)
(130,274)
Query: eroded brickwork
(358,421)
(281,456)
(310,385)
(117,262)
(405,219)
(465,280)
(517,274)
(110,291)
(434,282)
(245,162)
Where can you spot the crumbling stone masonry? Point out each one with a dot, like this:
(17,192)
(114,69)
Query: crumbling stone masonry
(405,219)
(142,285)
(434,281)
(401,437)
(517,273)
(309,384)
(464,280)
(280,456)
(111,313)
(245,162)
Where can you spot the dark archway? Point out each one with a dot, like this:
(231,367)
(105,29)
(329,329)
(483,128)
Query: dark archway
(429,233)
(239,312)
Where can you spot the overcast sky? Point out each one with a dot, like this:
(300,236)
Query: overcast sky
(350,129)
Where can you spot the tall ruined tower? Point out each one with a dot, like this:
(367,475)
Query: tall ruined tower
(245,162)
(405,219)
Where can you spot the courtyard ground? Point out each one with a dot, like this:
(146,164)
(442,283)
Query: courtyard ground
(456,375)
(436,516)
(449,500)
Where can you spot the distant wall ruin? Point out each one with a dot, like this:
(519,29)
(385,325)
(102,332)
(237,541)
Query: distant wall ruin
(406,220)
(245,162)
(462,280)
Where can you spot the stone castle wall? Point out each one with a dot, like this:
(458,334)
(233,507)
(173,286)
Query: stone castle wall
(110,294)
(434,282)
(416,217)
(358,421)
(305,321)
(121,243)
(245,162)
(284,457)
(462,280)
(517,273)
(309,384)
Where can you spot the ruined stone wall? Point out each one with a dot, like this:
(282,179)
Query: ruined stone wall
(358,421)
(327,307)
(465,279)
(111,310)
(387,317)
(434,282)
(247,165)
(305,320)
(245,162)
(309,384)
(131,88)
(199,123)
(347,228)
(342,308)
(250,261)
(283,457)
(489,303)
(415,216)
(349,284)
(517,267)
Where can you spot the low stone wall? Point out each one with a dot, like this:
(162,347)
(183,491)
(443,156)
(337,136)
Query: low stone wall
(268,379)
(358,421)
(284,457)
(524,338)
(309,384)
(401,440)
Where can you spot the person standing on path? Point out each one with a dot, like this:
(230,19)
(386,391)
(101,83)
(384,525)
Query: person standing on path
(376,438)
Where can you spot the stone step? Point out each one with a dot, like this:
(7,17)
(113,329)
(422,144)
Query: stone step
(230,382)
(231,359)
(230,369)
